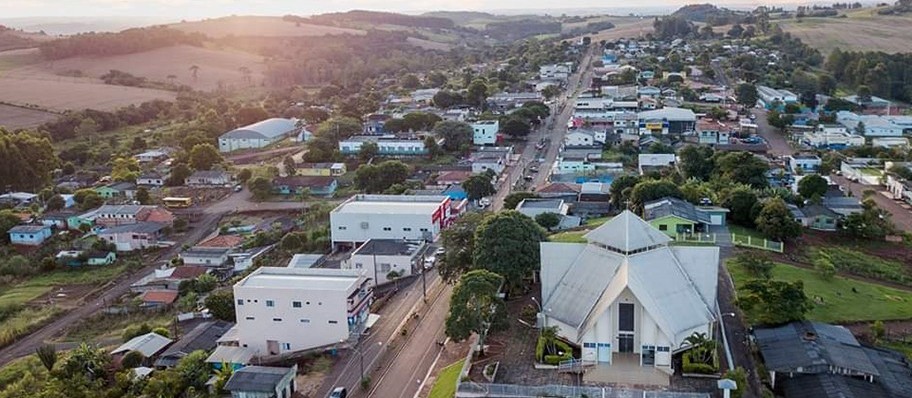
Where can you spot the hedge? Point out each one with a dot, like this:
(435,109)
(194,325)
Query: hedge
(699,368)
(552,359)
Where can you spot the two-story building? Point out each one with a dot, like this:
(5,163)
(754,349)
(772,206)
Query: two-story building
(667,120)
(582,137)
(283,310)
(484,132)
(377,258)
(137,236)
(408,217)
(208,178)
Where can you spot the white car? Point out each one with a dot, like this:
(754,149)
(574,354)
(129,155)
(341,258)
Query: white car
(484,202)
(439,252)
(429,262)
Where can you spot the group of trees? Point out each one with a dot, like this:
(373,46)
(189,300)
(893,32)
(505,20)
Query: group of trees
(766,300)
(487,253)
(27,161)
(381,177)
(873,73)
(126,42)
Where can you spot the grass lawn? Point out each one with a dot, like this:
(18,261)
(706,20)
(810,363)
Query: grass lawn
(903,347)
(33,288)
(839,303)
(23,322)
(568,237)
(445,385)
(855,262)
(741,231)
(595,222)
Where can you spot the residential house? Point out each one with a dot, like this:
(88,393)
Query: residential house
(867,171)
(18,198)
(375,122)
(29,235)
(321,169)
(872,102)
(203,337)
(263,382)
(555,71)
(504,102)
(244,259)
(532,207)
(815,217)
(674,217)
(283,310)
(451,177)
(559,190)
(208,178)
(117,190)
(56,219)
(831,138)
(306,260)
(230,353)
(667,120)
(890,142)
(225,241)
(258,135)
(484,132)
(713,132)
(168,278)
(647,162)
(408,217)
(604,296)
(300,185)
(153,156)
(129,237)
(804,164)
(772,98)
(649,92)
(149,345)
(113,215)
(377,258)
(101,258)
(495,159)
(158,298)
(214,257)
(812,359)
(580,137)
(152,179)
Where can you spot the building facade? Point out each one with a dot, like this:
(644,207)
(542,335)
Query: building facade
(407,217)
(378,257)
(484,132)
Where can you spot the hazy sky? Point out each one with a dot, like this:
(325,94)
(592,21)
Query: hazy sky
(188,9)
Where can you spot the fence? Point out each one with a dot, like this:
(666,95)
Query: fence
(479,390)
(695,238)
(757,243)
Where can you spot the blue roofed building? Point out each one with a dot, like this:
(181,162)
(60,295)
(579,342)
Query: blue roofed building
(257,135)
(29,235)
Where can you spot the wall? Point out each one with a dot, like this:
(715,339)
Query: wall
(401,264)
(234,144)
(353,232)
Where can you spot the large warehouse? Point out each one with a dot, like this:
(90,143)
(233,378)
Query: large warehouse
(257,135)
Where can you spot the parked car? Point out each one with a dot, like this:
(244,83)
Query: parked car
(238,188)
(339,392)
(439,251)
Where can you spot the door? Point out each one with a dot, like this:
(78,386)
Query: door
(272,346)
(649,356)
(625,317)
(625,343)
(604,352)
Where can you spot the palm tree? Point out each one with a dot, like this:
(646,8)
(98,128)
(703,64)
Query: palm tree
(702,348)
(549,334)
(194,71)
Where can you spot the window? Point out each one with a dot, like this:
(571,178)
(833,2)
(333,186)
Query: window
(384,268)
(333,322)
(286,347)
(663,227)
(387,229)
(662,349)
(359,265)
(270,303)
(277,319)
(305,320)
(249,318)
(296,304)
(423,229)
(343,228)
(588,345)
(240,301)
(406,229)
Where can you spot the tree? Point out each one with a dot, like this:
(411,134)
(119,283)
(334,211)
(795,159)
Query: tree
(47,354)
(261,187)
(775,119)
(410,82)
(516,127)
(250,114)
(142,196)
(445,99)
(474,305)
(739,376)
(338,128)
(125,169)
(86,361)
(432,147)
(620,190)
(478,186)
(378,178)
(458,241)
(204,156)
(132,359)
(823,264)
(742,167)
(507,244)
(860,128)
(477,93)
(773,302)
(550,92)
(244,175)
(194,71)
(55,203)
(89,200)
(221,305)
(812,186)
(871,223)
(512,200)
(548,220)
(649,190)
(179,174)
(757,265)
(736,31)
(135,331)
(696,161)
(436,79)
(289,165)
(742,203)
(776,221)
(457,136)
(368,151)
(878,331)
(746,94)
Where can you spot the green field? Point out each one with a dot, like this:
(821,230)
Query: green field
(838,303)
(568,237)
(17,369)
(35,287)
(859,30)
(445,386)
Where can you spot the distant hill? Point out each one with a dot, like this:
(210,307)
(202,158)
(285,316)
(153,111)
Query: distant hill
(710,14)
(360,17)
(11,39)
(259,26)
(464,17)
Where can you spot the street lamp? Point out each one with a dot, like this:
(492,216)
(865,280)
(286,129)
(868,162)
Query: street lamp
(361,356)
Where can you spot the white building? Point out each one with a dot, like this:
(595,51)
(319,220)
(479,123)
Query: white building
(387,145)
(281,310)
(257,135)
(408,217)
(485,132)
(488,158)
(205,256)
(584,138)
(648,161)
(555,71)
(825,138)
(871,125)
(770,96)
(378,257)
(803,164)
(889,142)
(532,207)
(628,292)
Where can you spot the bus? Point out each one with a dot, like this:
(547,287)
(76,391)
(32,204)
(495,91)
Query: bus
(176,202)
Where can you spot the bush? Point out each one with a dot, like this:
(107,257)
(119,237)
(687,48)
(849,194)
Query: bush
(135,330)
(552,359)
(698,368)
(162,331)
(740,378)
(132,359)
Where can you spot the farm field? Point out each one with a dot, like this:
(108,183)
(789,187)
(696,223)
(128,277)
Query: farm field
(835,300)
(259,26)
(215,66)
(862,30)
(61,93)
(14,117)
(623,27)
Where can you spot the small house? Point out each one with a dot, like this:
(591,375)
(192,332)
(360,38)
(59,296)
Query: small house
(117,190)
(262,382)
(300,185)
(815,216)
(149,345)
(158,298)
(101,258)
(205,256)
(674,216)
(131,237)
(321,169)
(451,177)
(152,179)
(208,178)
(203,337)
(29,235)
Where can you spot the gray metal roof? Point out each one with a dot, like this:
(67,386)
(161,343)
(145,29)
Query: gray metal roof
(388,247)
(627,233)
(148,344)
(814,347)
(256,379)
(532,203)
(203,337)
(825,385)
(141,227)
(674,206)
(266,129)
(27,229)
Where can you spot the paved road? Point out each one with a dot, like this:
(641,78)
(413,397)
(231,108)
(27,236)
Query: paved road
(121,286)
(347,371)
(778,144)
(901,216)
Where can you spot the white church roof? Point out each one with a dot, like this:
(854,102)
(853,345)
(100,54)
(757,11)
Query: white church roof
(675,285)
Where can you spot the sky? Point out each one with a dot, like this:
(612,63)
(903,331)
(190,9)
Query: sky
(196,9)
